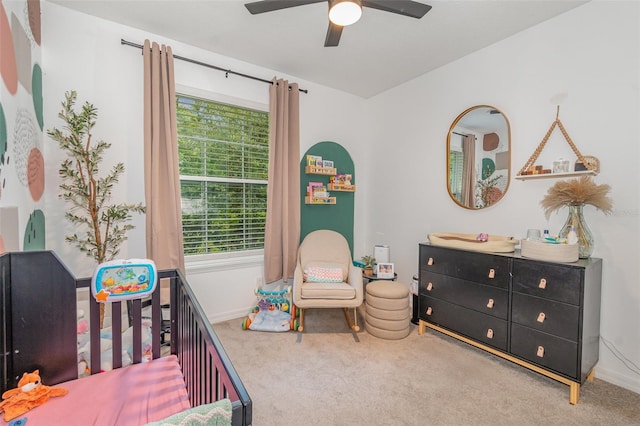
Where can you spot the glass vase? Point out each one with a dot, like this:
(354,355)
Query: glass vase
(585,238)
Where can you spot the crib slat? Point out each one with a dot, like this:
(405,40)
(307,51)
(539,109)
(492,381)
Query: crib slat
(137,331)
(156,322)
(116,334)
(94,320)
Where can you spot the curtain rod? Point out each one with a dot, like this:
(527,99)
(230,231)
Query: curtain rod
(193,61)
(460,134)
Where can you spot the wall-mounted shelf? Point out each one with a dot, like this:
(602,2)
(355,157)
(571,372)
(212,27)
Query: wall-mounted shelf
(318,192)
(343,188)
(314,170)
(319,200)
(591,163)
(556,175)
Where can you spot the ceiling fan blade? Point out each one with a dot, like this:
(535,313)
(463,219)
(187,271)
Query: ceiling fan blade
(271,5)
(333,35)
(413,9)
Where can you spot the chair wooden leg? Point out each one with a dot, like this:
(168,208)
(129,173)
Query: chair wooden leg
(301,326)
(356,327)
(352,324)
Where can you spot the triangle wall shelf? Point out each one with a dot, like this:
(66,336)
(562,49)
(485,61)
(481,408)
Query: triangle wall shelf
(592,166)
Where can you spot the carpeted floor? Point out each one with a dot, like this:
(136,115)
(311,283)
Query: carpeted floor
(329,375)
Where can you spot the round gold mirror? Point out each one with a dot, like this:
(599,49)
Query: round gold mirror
(478,157)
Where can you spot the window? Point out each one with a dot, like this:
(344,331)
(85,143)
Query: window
(223,154)
(455,174)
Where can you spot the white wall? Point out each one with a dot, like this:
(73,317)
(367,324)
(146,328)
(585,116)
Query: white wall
(84,53)
(590,53)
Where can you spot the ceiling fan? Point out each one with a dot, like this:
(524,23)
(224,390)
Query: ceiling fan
(343,12)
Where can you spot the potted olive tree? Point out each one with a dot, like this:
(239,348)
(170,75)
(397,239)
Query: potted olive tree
(101,227)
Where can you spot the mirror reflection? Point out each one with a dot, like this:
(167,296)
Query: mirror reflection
(478,156)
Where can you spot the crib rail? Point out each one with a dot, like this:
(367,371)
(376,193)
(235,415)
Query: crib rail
(208,372)
(38,324)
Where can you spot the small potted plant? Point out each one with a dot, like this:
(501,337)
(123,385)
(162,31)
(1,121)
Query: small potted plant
(369,263)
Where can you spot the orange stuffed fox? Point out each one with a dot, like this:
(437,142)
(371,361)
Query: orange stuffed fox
(29,394)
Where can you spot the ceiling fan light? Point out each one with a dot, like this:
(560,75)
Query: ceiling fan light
(345,12)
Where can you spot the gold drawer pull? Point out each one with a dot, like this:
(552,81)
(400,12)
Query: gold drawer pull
(543,283)
(429,310)
(430,261)
(540,352)
(490,333)
(541,317)
(492,273)
(429,286)
(490,304)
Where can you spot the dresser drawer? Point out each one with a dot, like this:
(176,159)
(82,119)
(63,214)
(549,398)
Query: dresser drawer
(557,282)
(545,350)
(482,268)
(483,328)
(482,298)
(559,319)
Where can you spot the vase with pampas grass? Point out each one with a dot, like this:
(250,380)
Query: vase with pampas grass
(574,194)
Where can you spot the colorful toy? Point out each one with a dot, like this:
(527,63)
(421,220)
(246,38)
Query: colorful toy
(123,280)
(29,394)
(274,311)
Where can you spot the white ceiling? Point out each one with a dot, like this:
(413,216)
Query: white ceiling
(379,52)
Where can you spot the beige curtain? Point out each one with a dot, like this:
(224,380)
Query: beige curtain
(469,170)
(161,178)
(282,229)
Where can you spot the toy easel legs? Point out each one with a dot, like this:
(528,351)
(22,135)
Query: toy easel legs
(353,324)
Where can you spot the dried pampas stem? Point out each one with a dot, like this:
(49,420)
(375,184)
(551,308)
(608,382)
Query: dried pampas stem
(576,192)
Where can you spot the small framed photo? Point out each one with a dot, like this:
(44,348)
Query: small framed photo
(385,270)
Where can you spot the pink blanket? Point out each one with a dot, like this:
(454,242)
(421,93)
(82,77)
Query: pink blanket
(132,395)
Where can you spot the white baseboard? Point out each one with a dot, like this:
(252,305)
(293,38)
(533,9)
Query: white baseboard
(229,315)
(631,383)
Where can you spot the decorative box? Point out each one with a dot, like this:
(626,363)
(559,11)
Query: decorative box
(493,243)
(562,253)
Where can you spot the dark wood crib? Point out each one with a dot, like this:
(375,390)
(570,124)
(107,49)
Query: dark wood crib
(38,302)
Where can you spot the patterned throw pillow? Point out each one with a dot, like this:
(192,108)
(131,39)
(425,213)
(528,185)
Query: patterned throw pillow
(318,274)
(215,414)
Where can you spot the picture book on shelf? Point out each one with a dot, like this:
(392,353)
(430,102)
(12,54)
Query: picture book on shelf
(316,188)
(314,160)
(342,179)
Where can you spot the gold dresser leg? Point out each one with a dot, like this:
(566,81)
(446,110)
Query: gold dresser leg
(574,393)
(421,327)
(575,387)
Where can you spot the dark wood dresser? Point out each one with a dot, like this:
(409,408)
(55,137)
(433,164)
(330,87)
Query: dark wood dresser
(541,315)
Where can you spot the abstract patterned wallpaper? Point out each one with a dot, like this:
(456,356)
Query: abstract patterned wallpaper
(22,163)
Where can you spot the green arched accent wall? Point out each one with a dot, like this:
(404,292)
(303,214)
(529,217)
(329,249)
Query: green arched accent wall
(339,216)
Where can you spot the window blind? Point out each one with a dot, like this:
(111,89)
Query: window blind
(223,154)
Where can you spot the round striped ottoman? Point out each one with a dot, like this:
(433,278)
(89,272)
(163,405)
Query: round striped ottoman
(388,310)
